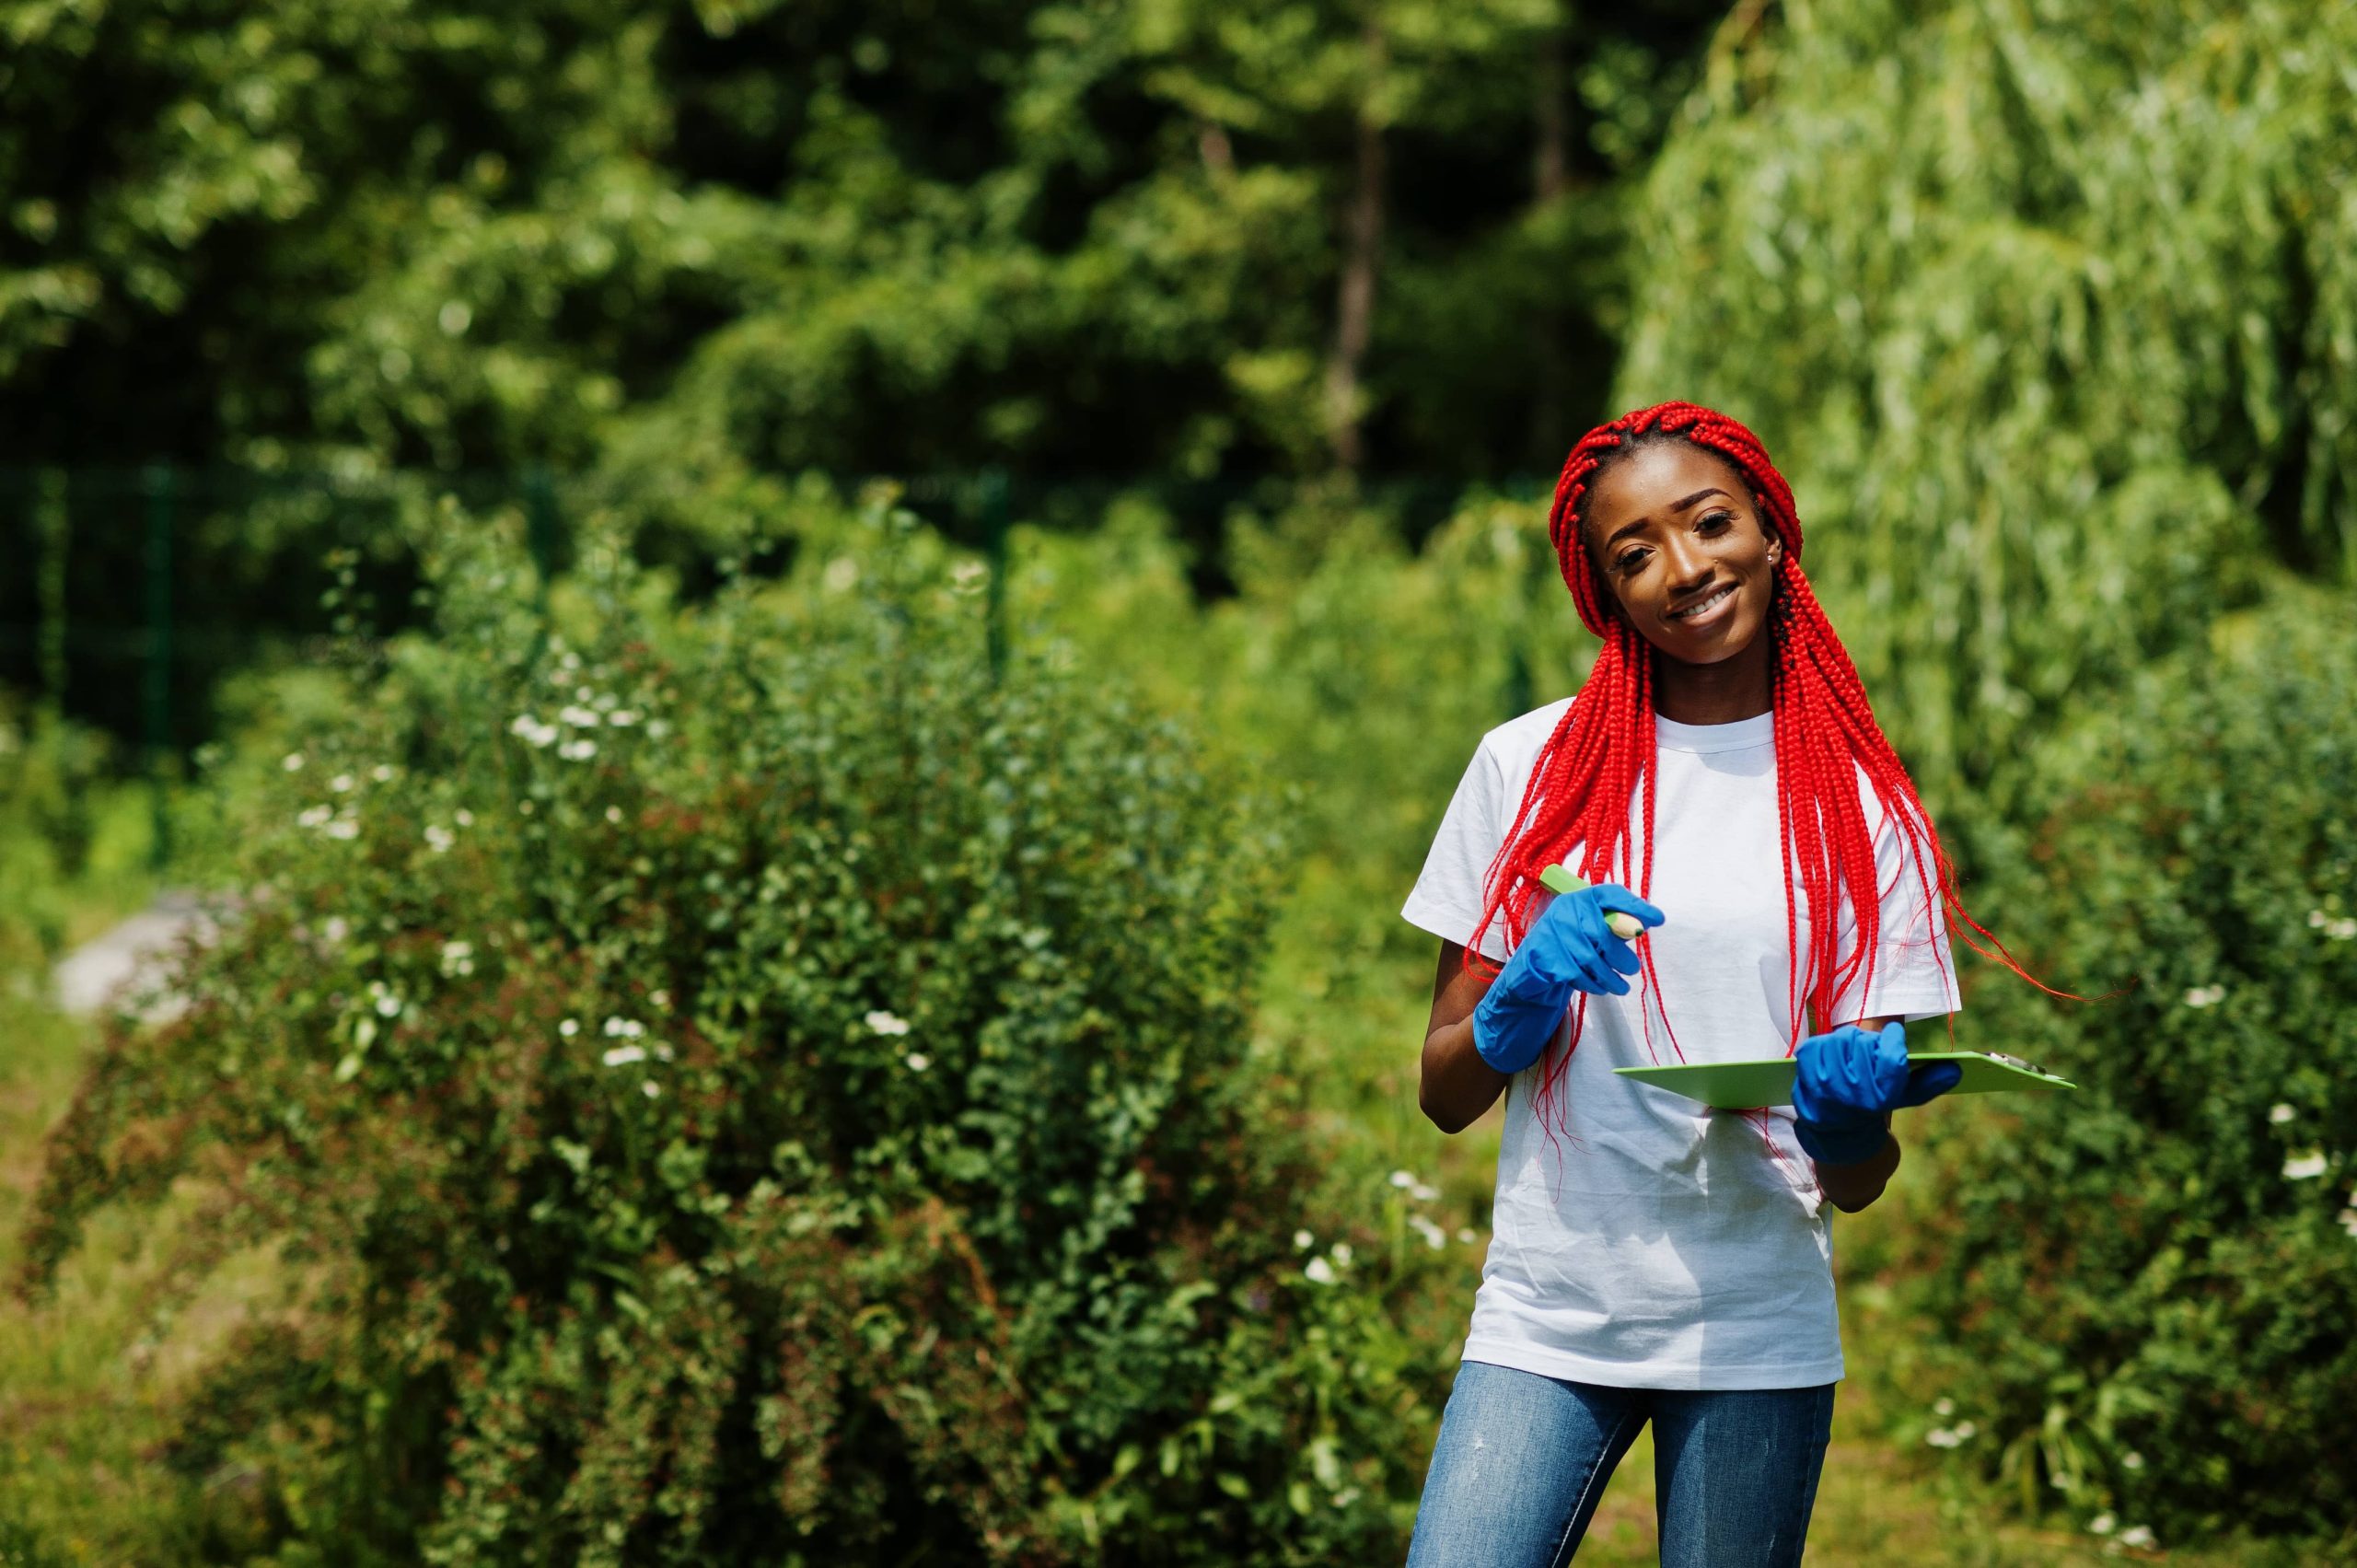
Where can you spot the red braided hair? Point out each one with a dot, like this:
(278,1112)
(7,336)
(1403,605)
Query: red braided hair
(1599,757)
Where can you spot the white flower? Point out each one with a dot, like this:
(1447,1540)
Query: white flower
(2102,1525)
(389,1005)
(341,783)
(2316,919)
(1341,1250)
(2299,1167)
(2349,1221)
(1941,1437)
(918,1061)
(580,717)
(457,959)
(569,1028)
(1465,1234)
(382,773)
(622,1055)
(2136,1535)
(2280,1114)
(613,813)
(621,718)
(342,828)
(577,751)
(315,815)
(1943,1408)
(1403,1179)
(656,729)
(2205,995)
(1964,1429)
(293,762)
(583,693)
(650,1089)
(883,1023)
(2132,1460)
(438,838)
(969,574)
(661,998)
(2342,930)
(621,1026)
(532,729)
(336,929)
(1435,1237)
(1303,1240)
(1424,1193)
(464,817)
(841,574)
(1319,1271)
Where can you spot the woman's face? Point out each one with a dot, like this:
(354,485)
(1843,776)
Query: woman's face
(1680,544)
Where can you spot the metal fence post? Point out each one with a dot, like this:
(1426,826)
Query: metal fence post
(54,520)
(155,684)
(540,525)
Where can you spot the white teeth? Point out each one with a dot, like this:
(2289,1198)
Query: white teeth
(1694,609)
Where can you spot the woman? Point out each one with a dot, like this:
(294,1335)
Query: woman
(1720,778)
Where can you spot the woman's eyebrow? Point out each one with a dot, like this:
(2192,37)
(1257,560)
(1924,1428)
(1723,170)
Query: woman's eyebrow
(1680,507)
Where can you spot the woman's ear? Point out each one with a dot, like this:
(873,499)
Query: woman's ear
(1759,511)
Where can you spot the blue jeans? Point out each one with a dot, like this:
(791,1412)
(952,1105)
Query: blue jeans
(1522,1458)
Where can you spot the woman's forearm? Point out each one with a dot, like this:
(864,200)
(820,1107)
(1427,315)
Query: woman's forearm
(1457,1085)
(1851,1186)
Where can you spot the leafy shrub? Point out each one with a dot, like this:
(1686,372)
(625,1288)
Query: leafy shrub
(746,1087)
(1361,671)
(52,774)
(2144,1294)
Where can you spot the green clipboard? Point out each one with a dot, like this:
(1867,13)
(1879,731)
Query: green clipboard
(1754,1086)
(1751,1086)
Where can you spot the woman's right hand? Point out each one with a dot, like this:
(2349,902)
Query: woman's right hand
(1568,949)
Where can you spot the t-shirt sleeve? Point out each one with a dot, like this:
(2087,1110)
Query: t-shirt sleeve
(1446,898)
(1914,972)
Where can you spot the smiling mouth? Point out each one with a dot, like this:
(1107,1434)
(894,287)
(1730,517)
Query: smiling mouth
(1702,607)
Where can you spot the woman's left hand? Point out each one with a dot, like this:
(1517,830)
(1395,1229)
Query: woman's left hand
(1848,1081)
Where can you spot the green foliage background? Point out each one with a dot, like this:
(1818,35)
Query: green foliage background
(2146,1287)
(2044,306)
(737,235)
(752,1087)
(2050,310)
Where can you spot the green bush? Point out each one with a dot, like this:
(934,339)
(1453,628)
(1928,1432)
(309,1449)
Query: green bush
(747,1086)
(54,775)
(1361,671)
(2144,1294)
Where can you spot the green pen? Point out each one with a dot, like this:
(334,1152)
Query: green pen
(1560,879)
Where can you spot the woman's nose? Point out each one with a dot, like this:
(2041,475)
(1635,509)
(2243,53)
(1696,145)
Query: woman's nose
(1684,564)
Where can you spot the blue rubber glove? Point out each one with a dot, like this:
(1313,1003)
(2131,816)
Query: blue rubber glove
(1568,949)
(1849,1080)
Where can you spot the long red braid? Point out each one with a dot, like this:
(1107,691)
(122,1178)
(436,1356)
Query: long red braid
(1597,759)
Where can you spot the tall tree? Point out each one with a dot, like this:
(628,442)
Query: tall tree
(2059,371)
(734,236)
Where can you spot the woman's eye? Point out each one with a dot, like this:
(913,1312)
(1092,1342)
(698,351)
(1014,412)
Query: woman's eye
(1716,520)
(1628,562)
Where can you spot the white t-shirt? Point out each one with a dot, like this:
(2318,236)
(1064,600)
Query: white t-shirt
(1667,1247)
